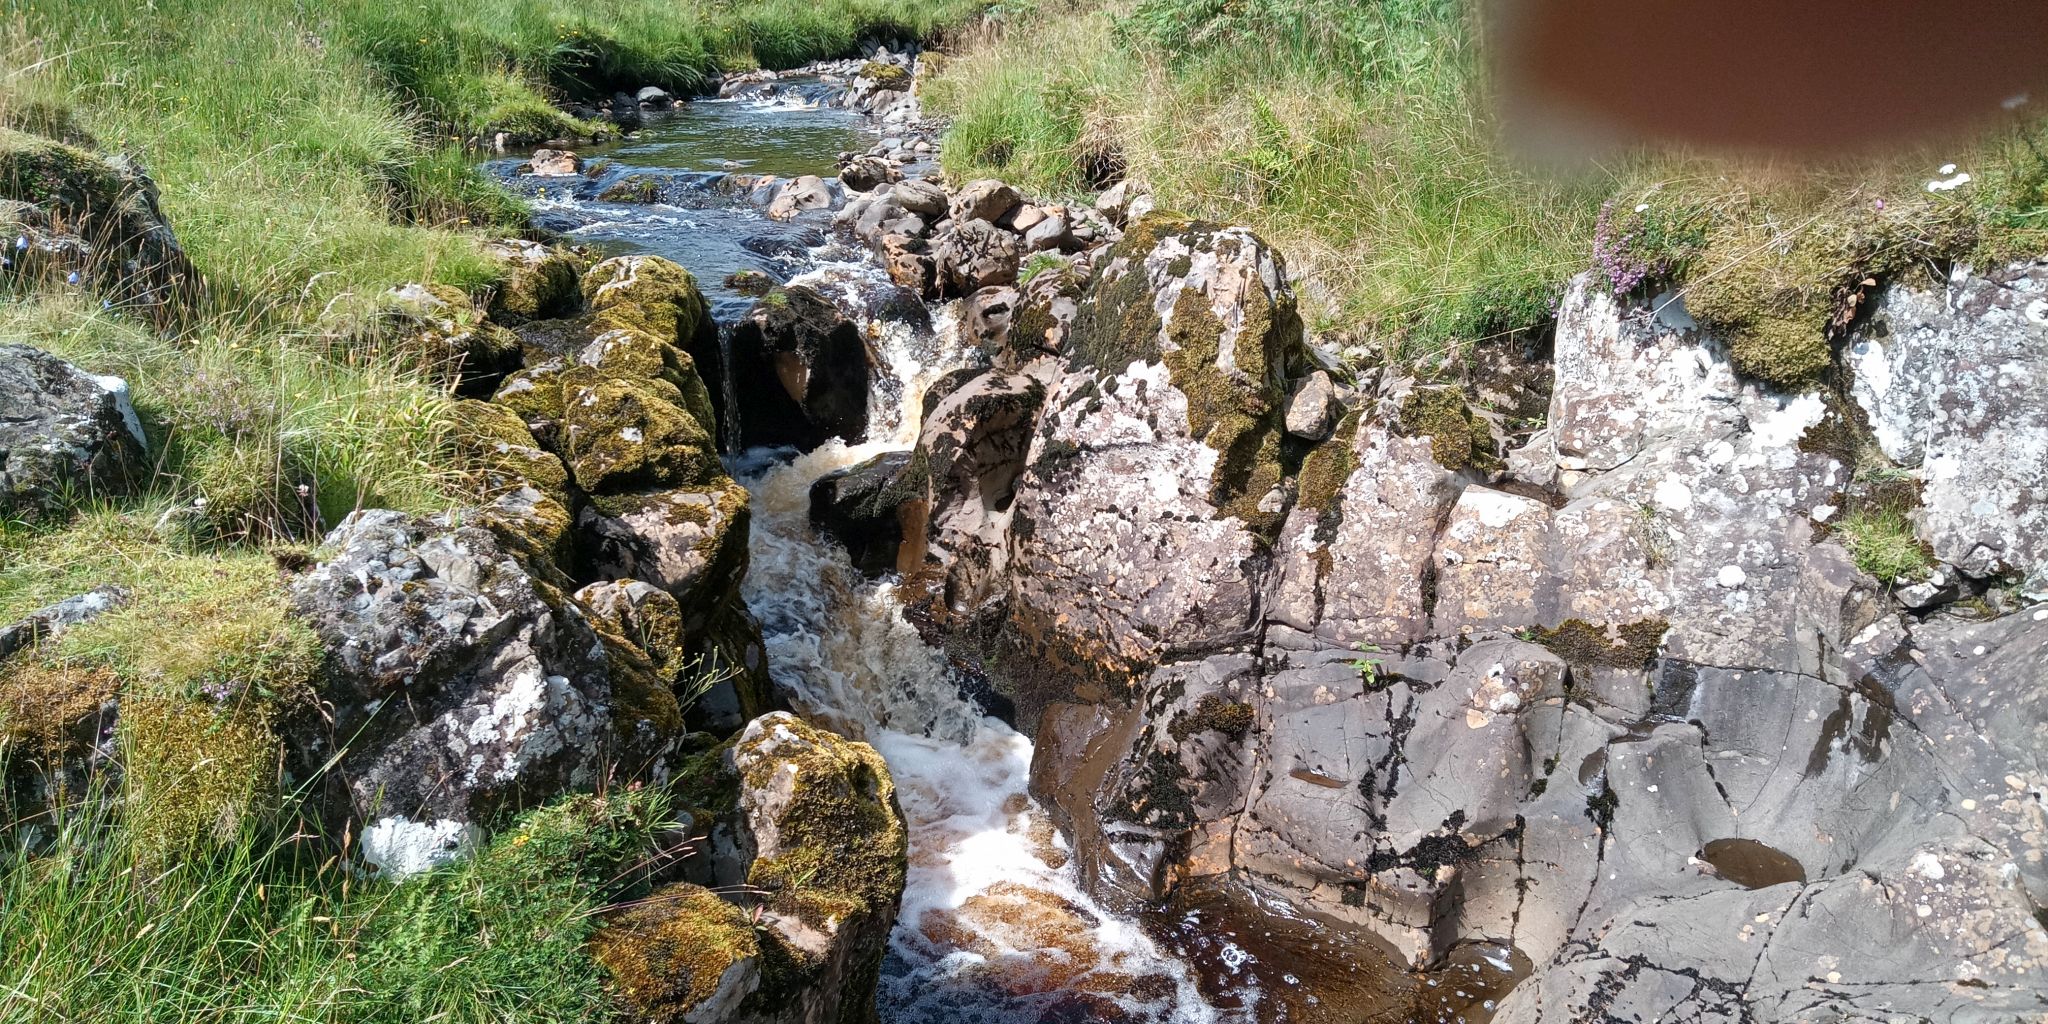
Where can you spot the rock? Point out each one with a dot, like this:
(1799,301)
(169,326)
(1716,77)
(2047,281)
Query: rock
(540,281)
(553,163)
(1053,232)
(984,200)
(1951,375)
(970,255)
(624,111)
(689,541)
(828,853)
(1115,203)
(506,694)
(870,508)
(922,198)
(1023,218)
(750,282)
(985,318)
(974,444)
(864,174)
(1312,409)
(47,623)
(808,192)
(909,263)
(446,333)
(620,434)
(66,434)
(95,221)
(804,369)
(654,98)
(1045,312)
(681,956)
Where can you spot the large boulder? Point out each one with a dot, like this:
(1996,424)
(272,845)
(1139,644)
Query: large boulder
(1954,377)
(974,254)
(66,434)
(461,687)
(828,856)
(870,509)
(801,370)
(540,281)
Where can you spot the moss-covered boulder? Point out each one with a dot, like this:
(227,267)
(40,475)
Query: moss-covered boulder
(493,444)
(886,76)
(681,956)
(95,217)
(830,850)
(650,282)
(618,348)
(621,435)
(540,281)
(441,329)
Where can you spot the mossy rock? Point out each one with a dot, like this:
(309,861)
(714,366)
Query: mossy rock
(1628,646)
(1320,483)
(540,281)
(633,188)
(1458,439)
(887,77)
(839,857)
(682,954)
(55,176)
(534,394)
(652,283)
(1771,300)
(620,348)
(621,435)
(493,444)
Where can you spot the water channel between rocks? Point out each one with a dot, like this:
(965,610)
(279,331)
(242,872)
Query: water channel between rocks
(995,927)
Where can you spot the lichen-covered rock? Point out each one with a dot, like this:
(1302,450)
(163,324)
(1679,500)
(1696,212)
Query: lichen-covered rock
(97,218)
(66,435)
(661,295)
(828,851)
(985,199)
(970,255)
(799,195)
(803,370)
(540,281)
(459,687)
(495,445)
(974,444)
(691,542)
(1954,378)
(680,956)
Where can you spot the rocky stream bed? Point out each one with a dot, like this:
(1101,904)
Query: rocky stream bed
(1216,680)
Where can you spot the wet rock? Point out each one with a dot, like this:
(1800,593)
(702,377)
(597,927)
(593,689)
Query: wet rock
(808,192)
(1951,375)
(654,98)
(984,200)
(970,255)
(624,111)
(750,282)
(553,163)
(909,263)
(802,369)
(1312,409)
(66,434)
(870,508)
(504,691)
(828,858)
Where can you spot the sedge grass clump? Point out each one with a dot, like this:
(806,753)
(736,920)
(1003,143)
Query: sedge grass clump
(1884,544)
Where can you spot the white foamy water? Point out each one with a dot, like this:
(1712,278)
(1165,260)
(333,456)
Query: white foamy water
(994,928)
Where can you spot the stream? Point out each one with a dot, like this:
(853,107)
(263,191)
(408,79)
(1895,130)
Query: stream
(995,927)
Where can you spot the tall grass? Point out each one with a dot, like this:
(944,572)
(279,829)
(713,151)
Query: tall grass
(1358,138)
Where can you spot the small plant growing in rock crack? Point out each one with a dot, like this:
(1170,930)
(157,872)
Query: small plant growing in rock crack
(1368,668)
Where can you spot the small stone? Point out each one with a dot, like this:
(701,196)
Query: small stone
(1731,576)
(1312,409)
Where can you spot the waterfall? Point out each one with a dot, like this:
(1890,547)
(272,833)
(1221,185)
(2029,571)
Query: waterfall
(994,926)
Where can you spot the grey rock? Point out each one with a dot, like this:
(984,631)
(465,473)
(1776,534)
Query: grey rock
(553,163)
(1312,409)
(65,434)
(1954,377)
(802,194)
(972,254)
(49,622)
(922,198)
(653,97)
(985,199)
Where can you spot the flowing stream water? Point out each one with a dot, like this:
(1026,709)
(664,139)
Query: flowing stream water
(994,927)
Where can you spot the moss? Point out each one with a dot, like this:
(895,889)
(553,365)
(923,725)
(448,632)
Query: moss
(706,783)
(887,77)
(1457,438)
(631,340)
(656,286)
(1771,299)
(1320,483)
(61,178)
(667,954)
(1629,646)
(534,394)
(619,435)
(490,442)
(1214,714)
(537,289)
(843,846)
(42,703)
(193,771)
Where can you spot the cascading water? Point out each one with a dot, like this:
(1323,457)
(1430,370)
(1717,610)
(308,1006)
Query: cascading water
(994,927)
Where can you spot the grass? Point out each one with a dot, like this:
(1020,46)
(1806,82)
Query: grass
(1357,138)
(269,925)
(1882,542)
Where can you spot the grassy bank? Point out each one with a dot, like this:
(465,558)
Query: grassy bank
(1358,138)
